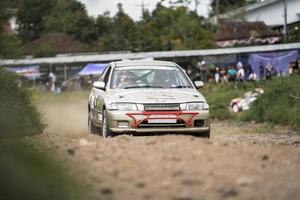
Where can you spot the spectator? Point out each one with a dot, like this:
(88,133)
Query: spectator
(77,83)
(53,80)
(297,65)
(248,70)
(223,75)
(202,67)
(231,73)
(269,71)
(240,72)
(217,75)
(252,75)
(291,68)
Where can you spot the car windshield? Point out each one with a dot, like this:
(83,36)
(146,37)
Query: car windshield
(148,77)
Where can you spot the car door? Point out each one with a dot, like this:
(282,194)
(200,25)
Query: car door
(98,96)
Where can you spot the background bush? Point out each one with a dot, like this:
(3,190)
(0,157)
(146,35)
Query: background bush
(18,116)
(219,97)
(26,172)
(279,104)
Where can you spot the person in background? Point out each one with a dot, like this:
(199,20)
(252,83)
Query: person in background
(231,73)
(53,80)
(240,73)
(217,75)
(298,65)
(77,83)
(90,80)
(223,75)
(252,75)
(291,68)
(202,66)
(269,71)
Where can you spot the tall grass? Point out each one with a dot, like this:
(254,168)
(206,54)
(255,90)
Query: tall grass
(26,173)
(219,97)
(18,115)
(278,105)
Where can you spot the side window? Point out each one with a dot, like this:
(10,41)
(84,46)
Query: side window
(104,74)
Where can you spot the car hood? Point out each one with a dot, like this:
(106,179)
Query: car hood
(155,95)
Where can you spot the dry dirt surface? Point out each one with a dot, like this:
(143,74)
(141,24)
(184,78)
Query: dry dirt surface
(240,161)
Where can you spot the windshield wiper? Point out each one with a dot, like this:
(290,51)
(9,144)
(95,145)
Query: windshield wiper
(142,86)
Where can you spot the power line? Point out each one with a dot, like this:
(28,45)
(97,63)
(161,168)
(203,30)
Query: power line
(143,6)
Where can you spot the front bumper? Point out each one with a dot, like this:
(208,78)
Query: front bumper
(137,122)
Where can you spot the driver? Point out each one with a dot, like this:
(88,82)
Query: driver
(162,78)
(127,79)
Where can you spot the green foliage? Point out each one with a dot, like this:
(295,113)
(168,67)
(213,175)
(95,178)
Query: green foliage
(294,32)
(47,50)
(227,5)
(10,46)
(28,174)
(70,16)
(280,103)
(220,96)
(31,18)
(166,28)
(173,28)
(18,116)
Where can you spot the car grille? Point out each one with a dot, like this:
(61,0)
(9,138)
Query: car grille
(162,107)
(179,124)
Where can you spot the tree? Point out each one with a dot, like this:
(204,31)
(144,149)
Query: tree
(31,18)
(70,17)
(227,5)
(9,44)
(174,28)
(121,35)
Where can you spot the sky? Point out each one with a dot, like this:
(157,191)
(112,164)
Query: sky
(132,7)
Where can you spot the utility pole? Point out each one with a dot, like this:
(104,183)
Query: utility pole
(143,6)
(285,20)
(218,11)
(197,2)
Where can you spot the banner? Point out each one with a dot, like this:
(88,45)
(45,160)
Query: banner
(278,60)
(30,72)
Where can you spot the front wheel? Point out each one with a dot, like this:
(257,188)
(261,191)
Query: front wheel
(205,134)
(105,126)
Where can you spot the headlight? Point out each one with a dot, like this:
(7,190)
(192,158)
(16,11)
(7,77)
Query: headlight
(194,106)
(124,106)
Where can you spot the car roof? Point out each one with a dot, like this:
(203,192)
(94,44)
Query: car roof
(143,63)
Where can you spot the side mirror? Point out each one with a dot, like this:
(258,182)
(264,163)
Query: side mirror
(199,84)
(99,85)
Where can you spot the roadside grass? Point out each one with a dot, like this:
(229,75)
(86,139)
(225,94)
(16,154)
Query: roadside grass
(25,172)
(219,97)
(278,105)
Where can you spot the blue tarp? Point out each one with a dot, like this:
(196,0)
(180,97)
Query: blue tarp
(92,69)
(278,60)
(30,72)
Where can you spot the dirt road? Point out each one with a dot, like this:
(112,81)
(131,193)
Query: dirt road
(240,161)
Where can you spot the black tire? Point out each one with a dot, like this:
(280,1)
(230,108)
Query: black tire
(105,126)
(206,134)
(91,127)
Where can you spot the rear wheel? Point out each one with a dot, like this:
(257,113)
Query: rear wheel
(91,127)
(105,126)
